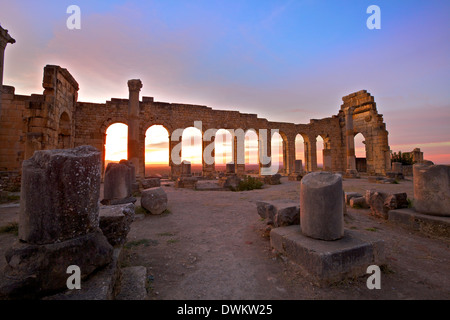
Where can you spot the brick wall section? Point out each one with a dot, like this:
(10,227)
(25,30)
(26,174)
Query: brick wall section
(36,122)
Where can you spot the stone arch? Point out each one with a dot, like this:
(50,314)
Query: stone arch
(65,140)
(120,142)
(156,150)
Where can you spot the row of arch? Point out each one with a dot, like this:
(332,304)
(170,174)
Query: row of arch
(157,147)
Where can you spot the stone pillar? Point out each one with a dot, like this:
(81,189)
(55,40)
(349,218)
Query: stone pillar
(230,169)
(432,189)
(5,38)
(208,169)
(239,155)
(350,139)
(312,157)
(290,155)
(285,156)
(59,195)
(175,168)
(264,150)
(134,87)
(118,181)
(307,156)
(321,206)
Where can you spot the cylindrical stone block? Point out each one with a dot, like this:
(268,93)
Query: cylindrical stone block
(321,203)
(117,182)
(432,189)
(59,195)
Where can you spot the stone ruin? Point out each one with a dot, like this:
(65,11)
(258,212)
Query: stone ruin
(56,119)
(60,225)
(119,183)
(431,211)
(186,180)
(320,245)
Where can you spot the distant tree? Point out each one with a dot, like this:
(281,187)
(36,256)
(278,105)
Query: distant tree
(403,158)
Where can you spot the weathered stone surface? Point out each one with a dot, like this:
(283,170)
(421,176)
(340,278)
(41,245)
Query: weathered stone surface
(279,212)
(154,200)
(427,224)
(273,179)
(230,168)
(231,181)
(113,202)
(397,167)
(103,285)
(432,189)
(358,202)
(130,165)
(115,222)
(133,285)
(186,182)
(59,196)
(327,262)
(35,270)
(295,177)
(349,195)
(186,169)
(117,181)
(380,202)
(151,183)
(321,206)
(395,175)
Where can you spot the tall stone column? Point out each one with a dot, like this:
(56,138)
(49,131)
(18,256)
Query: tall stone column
(290,155)
(350,139)
(312,158)
(134,87)
(175,166)
(5,38)
(239,155)
(264,151)
(208,170)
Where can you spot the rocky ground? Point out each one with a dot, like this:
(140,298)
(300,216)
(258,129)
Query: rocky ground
(213,245)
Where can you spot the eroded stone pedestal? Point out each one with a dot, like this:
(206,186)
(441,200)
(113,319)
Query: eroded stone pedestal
(327,262)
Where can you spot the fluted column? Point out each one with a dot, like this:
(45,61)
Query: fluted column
(134,87)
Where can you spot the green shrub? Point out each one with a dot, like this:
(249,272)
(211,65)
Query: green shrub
(12,227)
(249,183)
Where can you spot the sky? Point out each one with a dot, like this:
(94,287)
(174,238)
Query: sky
(288,61)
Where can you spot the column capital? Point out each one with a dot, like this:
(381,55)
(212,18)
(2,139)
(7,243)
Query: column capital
(5,38)
(134,85)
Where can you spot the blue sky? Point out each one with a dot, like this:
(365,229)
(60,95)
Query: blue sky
(284,60)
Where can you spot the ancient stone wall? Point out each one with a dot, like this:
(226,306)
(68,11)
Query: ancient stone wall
(37,122)
(56,120)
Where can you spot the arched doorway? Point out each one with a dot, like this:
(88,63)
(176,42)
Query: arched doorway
(157,151)
(116,143)
(360,152)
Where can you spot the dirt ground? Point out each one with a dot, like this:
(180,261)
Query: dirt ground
(212,245)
